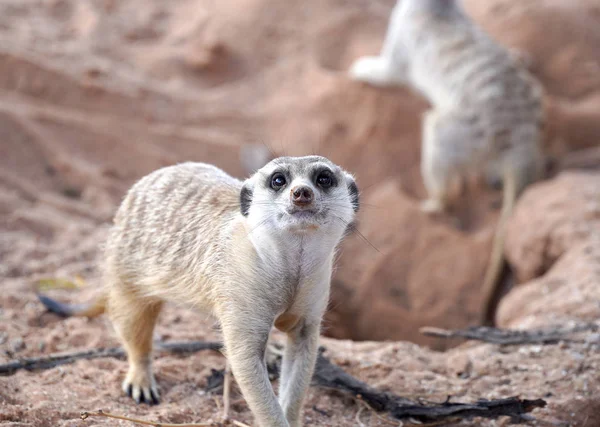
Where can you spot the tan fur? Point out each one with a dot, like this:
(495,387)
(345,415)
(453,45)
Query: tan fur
(487,112)
(193,235)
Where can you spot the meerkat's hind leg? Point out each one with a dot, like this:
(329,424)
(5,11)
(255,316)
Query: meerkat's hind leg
(524,163)
(134,320)
(441,162)
(441,192)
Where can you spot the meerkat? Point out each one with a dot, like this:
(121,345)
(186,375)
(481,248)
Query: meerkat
(255,254)
(487,110)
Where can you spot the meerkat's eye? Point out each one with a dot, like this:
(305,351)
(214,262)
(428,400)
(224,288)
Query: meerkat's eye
(324,179)
(277,181)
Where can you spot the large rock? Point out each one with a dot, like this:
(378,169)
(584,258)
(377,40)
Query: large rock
(554,239)
(569,291)
(550,218)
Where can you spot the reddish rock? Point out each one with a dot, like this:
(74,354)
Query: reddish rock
(569,291)
(550,218)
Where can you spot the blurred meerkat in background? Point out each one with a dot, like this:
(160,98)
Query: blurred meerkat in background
(487,113)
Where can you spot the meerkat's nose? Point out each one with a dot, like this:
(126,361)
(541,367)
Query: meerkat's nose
(302,195)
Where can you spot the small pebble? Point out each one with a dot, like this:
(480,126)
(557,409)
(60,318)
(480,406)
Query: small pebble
(17,345)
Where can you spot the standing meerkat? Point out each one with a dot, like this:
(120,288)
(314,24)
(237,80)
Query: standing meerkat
(256,254)
(487,110)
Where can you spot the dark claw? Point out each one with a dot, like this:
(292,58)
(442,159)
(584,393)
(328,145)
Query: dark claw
(130,390)
(155,399)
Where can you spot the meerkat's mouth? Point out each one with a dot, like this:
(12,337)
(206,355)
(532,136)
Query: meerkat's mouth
(305,217)
(300,220)
(303,213)
(304,220)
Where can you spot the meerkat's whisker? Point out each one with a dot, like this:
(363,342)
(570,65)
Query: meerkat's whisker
(353,228)
(260,224)
(362,205)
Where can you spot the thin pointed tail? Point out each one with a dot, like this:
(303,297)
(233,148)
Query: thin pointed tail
(491,281)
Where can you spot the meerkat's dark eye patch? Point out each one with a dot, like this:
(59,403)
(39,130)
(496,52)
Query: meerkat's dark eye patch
(277,181)
(245,200)
(324,178)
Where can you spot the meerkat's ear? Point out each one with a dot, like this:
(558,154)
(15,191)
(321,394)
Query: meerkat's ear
(353,191)
(254,156)
(246,198)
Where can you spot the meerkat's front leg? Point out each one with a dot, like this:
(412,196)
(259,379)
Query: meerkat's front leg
(297,368)
(245,345)
(390,67)
(433,168)
(445,158)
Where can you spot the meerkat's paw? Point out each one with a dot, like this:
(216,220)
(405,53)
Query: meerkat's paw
(371,69)
(141,386)
(432,206)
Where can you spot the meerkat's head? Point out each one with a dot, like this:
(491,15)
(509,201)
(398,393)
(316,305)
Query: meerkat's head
(438,7)
(300,195)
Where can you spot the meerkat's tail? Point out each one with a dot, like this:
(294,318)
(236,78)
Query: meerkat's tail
(92,309)
(491,281)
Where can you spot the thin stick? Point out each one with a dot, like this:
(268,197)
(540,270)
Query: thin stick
(436,332)
(359,399)
(550,335)
(101,413)
(357,417)
(226,391)
(53,360)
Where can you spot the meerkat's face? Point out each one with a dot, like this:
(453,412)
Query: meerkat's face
(300,195)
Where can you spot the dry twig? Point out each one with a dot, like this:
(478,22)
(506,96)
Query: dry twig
(512,337)
(53,360)
(357,417)
(101,413)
